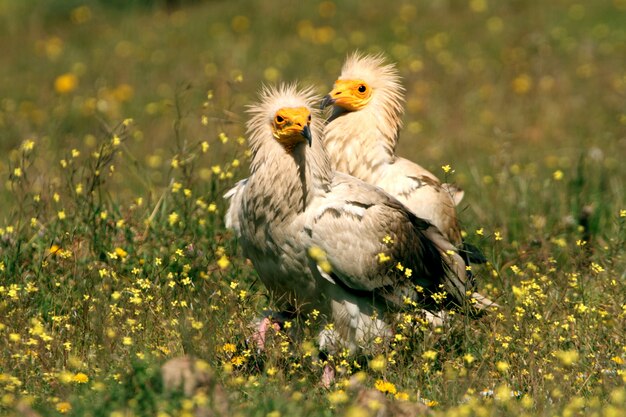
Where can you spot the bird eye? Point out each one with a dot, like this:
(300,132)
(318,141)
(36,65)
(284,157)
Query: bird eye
(309,117)
(279,119)
(362,88)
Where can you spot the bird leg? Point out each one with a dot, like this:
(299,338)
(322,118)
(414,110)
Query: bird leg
(260,334)
(482,303)
(437,319)
(270,320)
(328,376)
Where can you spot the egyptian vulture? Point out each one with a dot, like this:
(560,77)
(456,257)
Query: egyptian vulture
(327,241)
(361,138)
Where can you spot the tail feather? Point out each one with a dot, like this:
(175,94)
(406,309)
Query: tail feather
(472,254)
(455,280)
(482,303)
(455,192)
(235,197)
(458,281)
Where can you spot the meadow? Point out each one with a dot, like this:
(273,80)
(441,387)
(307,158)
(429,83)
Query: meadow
(122,124)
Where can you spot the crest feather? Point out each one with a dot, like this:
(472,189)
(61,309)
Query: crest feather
(274,98)
(388,93)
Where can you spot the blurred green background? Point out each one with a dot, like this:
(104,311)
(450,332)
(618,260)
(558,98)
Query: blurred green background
(113,253)
(529,84)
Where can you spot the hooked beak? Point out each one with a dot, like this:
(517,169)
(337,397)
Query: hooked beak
(306,132)
(327,101)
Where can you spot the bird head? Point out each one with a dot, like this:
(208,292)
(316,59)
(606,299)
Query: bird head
(285,116)
(368,81)
(351,95)
(292,125)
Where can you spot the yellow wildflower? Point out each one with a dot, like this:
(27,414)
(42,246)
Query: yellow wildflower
(430,403)
(401,396)
(502,366)
(223,262)
(28,145)
(522,84)
(65,83)
(382,258)
(478,6)
(63,407)
(229,348)
(81,14)
(429,355)
(338,397)
(316,253)
(378,363)
(80,378)
(567,357)
(238,360)
(385,386)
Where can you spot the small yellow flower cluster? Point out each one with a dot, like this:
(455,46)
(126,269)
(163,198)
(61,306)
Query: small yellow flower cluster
(408,272)
(319,256)
(223,262)
(383,257)
(385,386)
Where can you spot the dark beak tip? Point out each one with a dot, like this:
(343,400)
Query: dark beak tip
(326,101)
(306,132)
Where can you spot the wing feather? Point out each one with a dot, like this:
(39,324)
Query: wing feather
(365,233)
(235,208)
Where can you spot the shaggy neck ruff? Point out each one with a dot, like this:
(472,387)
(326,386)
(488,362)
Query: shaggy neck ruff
(288,178)
(369,135)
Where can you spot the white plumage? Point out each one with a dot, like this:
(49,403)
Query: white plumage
(361,138)
(294,209)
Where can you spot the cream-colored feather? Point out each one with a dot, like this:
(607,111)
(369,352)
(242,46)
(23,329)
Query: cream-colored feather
(328,241)
(363,144)
(361,139)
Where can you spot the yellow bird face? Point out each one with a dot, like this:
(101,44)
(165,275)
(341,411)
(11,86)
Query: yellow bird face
(292,125)
(351,95)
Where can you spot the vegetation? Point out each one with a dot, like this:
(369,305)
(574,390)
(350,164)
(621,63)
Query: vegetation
(122,125)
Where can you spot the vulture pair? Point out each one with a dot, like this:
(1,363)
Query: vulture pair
(314,220)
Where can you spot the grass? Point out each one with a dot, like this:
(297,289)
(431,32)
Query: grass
(122,126)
